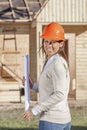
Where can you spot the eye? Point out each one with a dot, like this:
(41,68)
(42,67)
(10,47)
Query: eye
(45,41)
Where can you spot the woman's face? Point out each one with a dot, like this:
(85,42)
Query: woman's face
(51,47)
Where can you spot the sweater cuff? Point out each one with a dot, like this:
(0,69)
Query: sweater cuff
(35,87)
(34,111)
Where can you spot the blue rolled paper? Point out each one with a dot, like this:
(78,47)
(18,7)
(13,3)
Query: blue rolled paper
(26,88)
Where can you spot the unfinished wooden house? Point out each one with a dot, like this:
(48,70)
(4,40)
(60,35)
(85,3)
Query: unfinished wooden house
(21,23)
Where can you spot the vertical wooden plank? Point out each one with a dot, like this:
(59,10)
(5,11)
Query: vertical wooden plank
(41,16)
(73,10)
(50,11)
(84,10)
(46,15)
(81,10)
(39,40)
(10,2)
(57,10)
(66,11)
(61,10)
(69,10)
(53,10)
(78,11)
(81,66)
(72,59)
(28,10)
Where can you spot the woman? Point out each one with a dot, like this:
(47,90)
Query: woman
(53,83)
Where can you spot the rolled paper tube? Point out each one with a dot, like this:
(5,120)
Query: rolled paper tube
(26,88)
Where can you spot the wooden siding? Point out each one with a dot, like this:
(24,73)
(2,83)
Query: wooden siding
(64,11)
(81,59)
(9,92)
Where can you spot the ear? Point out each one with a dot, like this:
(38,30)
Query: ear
(61,44)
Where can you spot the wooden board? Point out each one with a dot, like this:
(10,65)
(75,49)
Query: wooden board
(4,86)
(81,95)
(10,96)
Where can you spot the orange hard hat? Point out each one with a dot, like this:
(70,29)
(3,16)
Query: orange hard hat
(53,31)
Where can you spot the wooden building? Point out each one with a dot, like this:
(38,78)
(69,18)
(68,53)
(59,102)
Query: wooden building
(21,24)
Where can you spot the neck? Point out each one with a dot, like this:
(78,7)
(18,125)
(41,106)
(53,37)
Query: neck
(49,56)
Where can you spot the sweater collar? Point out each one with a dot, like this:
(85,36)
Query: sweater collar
(50,60)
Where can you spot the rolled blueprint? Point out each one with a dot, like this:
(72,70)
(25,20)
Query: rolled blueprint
(26,88)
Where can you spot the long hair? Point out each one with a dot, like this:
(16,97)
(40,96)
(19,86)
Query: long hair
(61,52)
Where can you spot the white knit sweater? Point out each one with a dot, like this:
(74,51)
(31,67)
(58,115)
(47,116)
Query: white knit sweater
(53,91)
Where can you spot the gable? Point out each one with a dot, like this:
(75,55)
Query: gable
(64,11)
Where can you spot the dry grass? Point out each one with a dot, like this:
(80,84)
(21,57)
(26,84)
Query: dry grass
(12,119)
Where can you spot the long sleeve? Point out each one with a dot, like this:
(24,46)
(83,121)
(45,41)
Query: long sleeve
(35,87)
(60,89)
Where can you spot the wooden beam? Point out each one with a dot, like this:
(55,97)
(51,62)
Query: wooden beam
(32,2)
(40,3)
(10,2)
(15,20)
(10,52)
(33,24)
(4,3)
(37,13)
(24,8)
(28,10)
(18,7)
(10,64)
(6,13)
(12,73)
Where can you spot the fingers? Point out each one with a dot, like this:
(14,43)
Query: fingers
(30,82)
(28,115)
(23,81)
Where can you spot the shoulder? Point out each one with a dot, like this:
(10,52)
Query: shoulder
(60,60)
(60,63)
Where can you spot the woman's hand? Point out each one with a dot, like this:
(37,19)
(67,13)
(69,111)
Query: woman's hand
(30,81)
(23,81)
(28,115)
